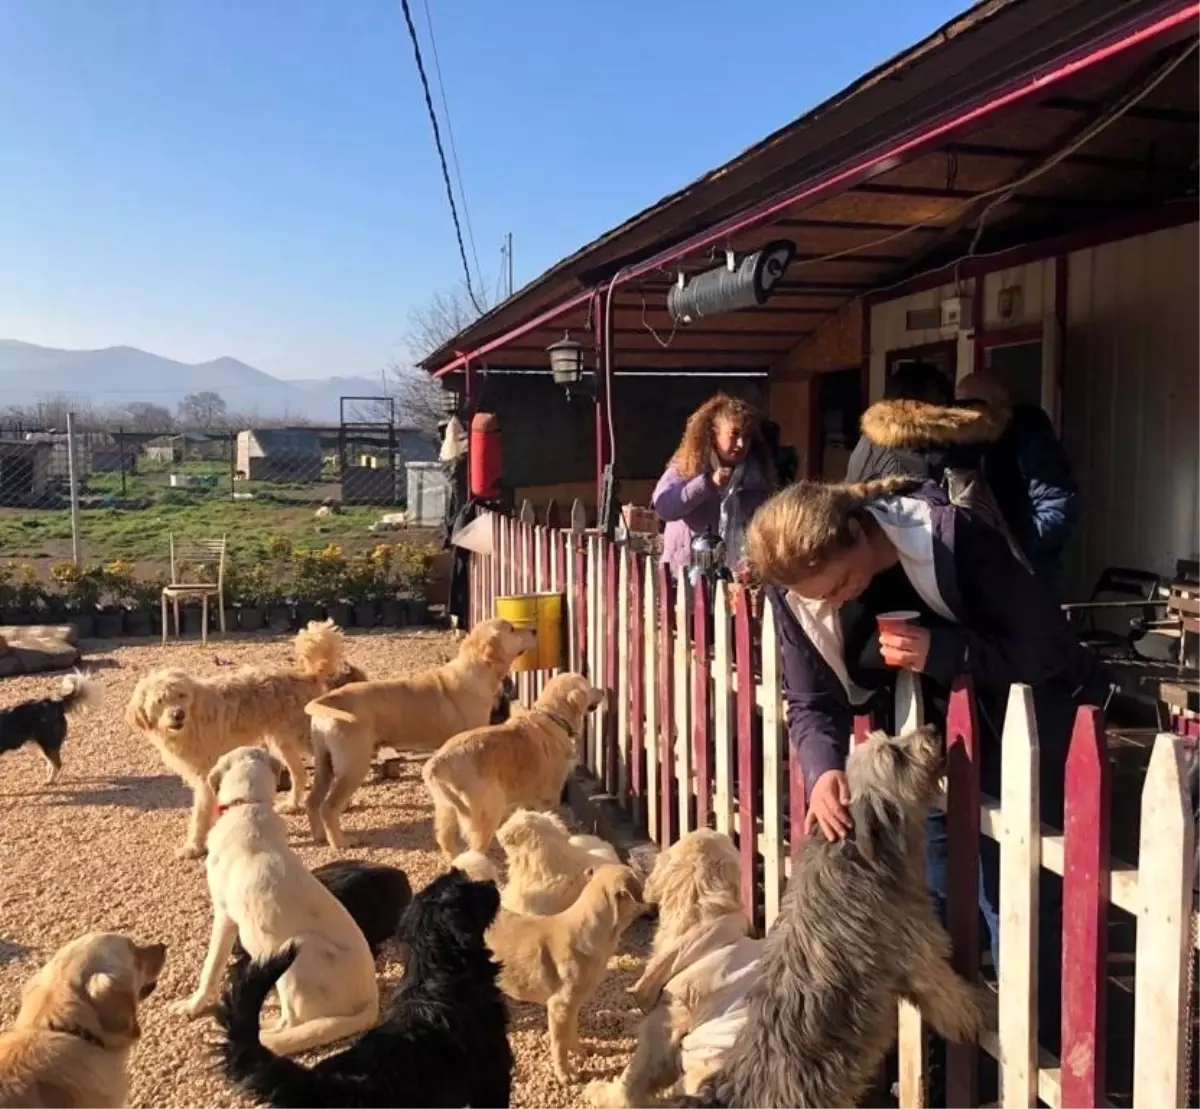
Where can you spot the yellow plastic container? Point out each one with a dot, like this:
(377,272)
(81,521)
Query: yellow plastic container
(543,612)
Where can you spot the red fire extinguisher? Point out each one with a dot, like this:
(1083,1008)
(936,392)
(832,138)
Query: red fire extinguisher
(486,456)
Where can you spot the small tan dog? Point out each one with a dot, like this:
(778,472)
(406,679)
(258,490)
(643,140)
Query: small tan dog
(547,866)
(559,961)
(263,895)
(69,1046)
(695,988)
(411,714)
(479,777)
(193,721)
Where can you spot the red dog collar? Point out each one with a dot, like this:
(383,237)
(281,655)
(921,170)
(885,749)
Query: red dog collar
(223,809)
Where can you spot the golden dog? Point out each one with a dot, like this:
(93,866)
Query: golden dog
(479,777)
(69,1046)
(411,714)
(194,721)
(559,961)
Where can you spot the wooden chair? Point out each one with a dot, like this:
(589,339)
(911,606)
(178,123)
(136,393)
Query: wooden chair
(188,556)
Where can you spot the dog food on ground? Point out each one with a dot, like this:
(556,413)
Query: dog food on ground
(96,852)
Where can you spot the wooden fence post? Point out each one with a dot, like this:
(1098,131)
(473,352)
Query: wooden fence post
(683,697)
(746,688)
(615,708)
(621,602)
(722,675)
(636,666)
(1166,867)
(1085,912)
(666,708)
(1020,868)
(700,698)
(652,644)
(772,774)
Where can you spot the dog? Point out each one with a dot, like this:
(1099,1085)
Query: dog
(43,723)
(696,985)
(503,701)
(855,933)
(559,961)
(69,1046)
(480,776)
(263,895)
(442,1042)
(374,894)
(193,721)
(410,714)
(547,866)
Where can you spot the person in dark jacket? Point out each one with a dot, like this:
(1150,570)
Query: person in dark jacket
(837,556)
(1029,472)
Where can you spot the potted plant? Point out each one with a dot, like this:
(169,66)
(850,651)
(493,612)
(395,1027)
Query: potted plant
(416,568)
(116,581)
(145,605)
(393,613)
(250,590)
(361,590)
(310,588)
(279,568)
(76,597)
(28,597)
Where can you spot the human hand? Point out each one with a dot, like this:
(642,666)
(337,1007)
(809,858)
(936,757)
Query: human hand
(829,806)
(906,647)
(721,476)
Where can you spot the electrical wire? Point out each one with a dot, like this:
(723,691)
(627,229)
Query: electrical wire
(437,139)
(462,193)
(664,343)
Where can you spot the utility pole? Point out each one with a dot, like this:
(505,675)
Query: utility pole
(508,251)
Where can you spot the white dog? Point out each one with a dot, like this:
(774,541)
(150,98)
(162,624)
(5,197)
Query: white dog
(263,895)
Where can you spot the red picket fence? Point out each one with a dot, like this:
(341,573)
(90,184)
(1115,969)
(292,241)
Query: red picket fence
(694,734)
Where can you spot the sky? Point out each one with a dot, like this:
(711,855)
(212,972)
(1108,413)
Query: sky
(257,178)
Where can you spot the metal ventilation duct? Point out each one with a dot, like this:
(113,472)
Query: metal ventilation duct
(726,289)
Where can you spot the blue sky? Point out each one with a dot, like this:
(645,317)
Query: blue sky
(257,177)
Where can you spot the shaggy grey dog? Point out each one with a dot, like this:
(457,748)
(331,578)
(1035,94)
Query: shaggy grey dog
(856,932)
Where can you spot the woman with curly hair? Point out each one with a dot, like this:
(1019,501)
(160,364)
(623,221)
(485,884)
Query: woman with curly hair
(720,473)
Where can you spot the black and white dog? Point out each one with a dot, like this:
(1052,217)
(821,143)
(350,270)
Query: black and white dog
(43,723)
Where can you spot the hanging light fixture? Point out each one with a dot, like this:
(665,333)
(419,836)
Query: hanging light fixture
(732,287)
(566,361)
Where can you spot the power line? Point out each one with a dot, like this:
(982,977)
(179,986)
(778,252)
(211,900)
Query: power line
(462,192)
(437,139)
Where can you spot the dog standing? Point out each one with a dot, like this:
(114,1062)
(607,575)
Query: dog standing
(480,776)
(559,961)
(194,721)
(410,714)
(443,1040)
(695,989)
(263,894)
(69,1046)
(43,723)
(855,933)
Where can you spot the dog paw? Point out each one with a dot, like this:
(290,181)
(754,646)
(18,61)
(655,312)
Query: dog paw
(291,808)
(192,1007)
(606,1095)
(568,1076)
(190,851)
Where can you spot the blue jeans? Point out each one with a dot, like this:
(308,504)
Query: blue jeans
(936,874)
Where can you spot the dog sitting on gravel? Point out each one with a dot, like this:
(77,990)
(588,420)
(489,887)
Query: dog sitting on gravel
(43,723)
(696,986)
(856,932)
(559,961)
(409,714)
(69,1046)
(263,894)
(477,778)
(444,1037)
(193,721)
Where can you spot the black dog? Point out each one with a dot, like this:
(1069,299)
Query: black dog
(44,723)
(502,703)
(374,894)
(442,1042)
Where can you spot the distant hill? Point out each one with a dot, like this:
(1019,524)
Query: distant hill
(117,376)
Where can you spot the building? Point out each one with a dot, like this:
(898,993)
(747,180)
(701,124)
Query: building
(279,454)
(185,446)
(24,472)
(1016,191)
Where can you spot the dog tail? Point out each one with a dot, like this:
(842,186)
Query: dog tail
(319,649)
(79,692)
(270,1077)
(321,709)
(477,866)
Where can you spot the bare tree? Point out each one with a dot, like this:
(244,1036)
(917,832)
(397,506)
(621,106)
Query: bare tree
(140,415)
(418,396)
(204,410)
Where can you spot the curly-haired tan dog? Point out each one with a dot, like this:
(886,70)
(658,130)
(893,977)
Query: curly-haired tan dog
(193,721)
(410,714)
(559,961)
(480,776)
(547,865)
(856,932)
(70,1043)
(696,986)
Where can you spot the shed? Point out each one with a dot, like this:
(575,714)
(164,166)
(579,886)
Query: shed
(24,472)
(182,447)
(279,454)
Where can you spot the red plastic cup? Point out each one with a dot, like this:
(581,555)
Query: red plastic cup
(893,621)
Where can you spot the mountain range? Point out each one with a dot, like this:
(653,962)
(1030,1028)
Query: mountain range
(118,376)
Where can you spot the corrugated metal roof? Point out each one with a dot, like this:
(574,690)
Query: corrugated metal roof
(287,440)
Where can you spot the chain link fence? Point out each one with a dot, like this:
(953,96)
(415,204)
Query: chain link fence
(266,490)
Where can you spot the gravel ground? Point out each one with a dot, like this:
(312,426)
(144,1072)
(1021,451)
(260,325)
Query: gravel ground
(95,852)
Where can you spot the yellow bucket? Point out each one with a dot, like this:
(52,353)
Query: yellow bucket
(544,613)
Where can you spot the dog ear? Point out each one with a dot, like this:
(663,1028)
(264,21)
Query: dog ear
(135,714)
(215,775)
(150,960)
(115,1005)
(276,767)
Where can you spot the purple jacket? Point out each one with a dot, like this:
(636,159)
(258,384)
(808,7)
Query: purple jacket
(692,506)
(1010,629)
